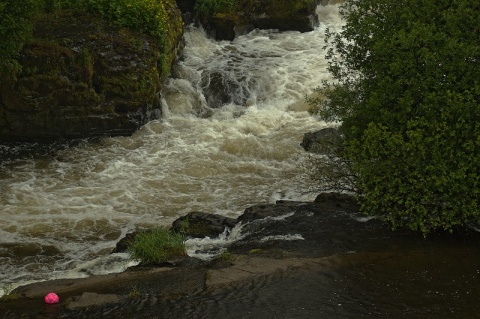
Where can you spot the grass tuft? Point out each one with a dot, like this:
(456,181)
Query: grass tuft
(157,246)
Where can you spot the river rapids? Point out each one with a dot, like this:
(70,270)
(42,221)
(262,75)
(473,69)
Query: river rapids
(217,149)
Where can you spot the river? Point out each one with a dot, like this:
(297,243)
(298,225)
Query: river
(63,207)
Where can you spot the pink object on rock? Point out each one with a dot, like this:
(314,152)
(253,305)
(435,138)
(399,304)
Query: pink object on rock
(52,298)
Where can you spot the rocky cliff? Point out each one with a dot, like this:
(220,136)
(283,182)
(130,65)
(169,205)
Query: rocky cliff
(83,76)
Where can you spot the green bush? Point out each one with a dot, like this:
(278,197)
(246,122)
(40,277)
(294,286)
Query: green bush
(208,8)
(407,90)
(156,246)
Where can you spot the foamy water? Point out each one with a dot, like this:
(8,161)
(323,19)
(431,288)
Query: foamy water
(62,214)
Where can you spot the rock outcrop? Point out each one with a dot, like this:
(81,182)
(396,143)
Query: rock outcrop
(283,15)
(323,141)
(84,77)
(199,224)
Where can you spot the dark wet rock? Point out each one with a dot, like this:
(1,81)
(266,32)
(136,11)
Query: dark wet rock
(122,244)
(198,224)
(317,229)
(262,211)
(221,88)
(283,15)
(339,200)
(186,5)
(157,281)
(194,224)
(322,141)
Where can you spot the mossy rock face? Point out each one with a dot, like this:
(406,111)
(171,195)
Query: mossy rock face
(83,77)
(283,15)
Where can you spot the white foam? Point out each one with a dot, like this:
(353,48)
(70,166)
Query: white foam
(288,237)
(208,248)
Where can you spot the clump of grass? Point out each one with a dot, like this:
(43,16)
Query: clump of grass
(157,246)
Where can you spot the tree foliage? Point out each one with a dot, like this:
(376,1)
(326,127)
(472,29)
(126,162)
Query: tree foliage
(406,89)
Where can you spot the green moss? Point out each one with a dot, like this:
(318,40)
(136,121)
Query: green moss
(226,256)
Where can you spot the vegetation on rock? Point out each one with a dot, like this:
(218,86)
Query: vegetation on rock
(84,68)
(157,246)
(407,91)
(148,16)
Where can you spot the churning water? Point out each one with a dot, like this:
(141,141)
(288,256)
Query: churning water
(233,121)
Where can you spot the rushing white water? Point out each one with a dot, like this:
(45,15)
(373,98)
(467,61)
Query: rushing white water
(61,215)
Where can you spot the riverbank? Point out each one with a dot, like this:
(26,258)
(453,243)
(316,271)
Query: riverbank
(287,241)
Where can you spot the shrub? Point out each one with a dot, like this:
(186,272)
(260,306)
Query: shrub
(156,246)
(406,89)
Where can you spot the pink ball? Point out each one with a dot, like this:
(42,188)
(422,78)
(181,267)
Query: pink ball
(52,298)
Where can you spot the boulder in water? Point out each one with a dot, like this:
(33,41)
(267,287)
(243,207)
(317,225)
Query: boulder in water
(198,224)
(322,141)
